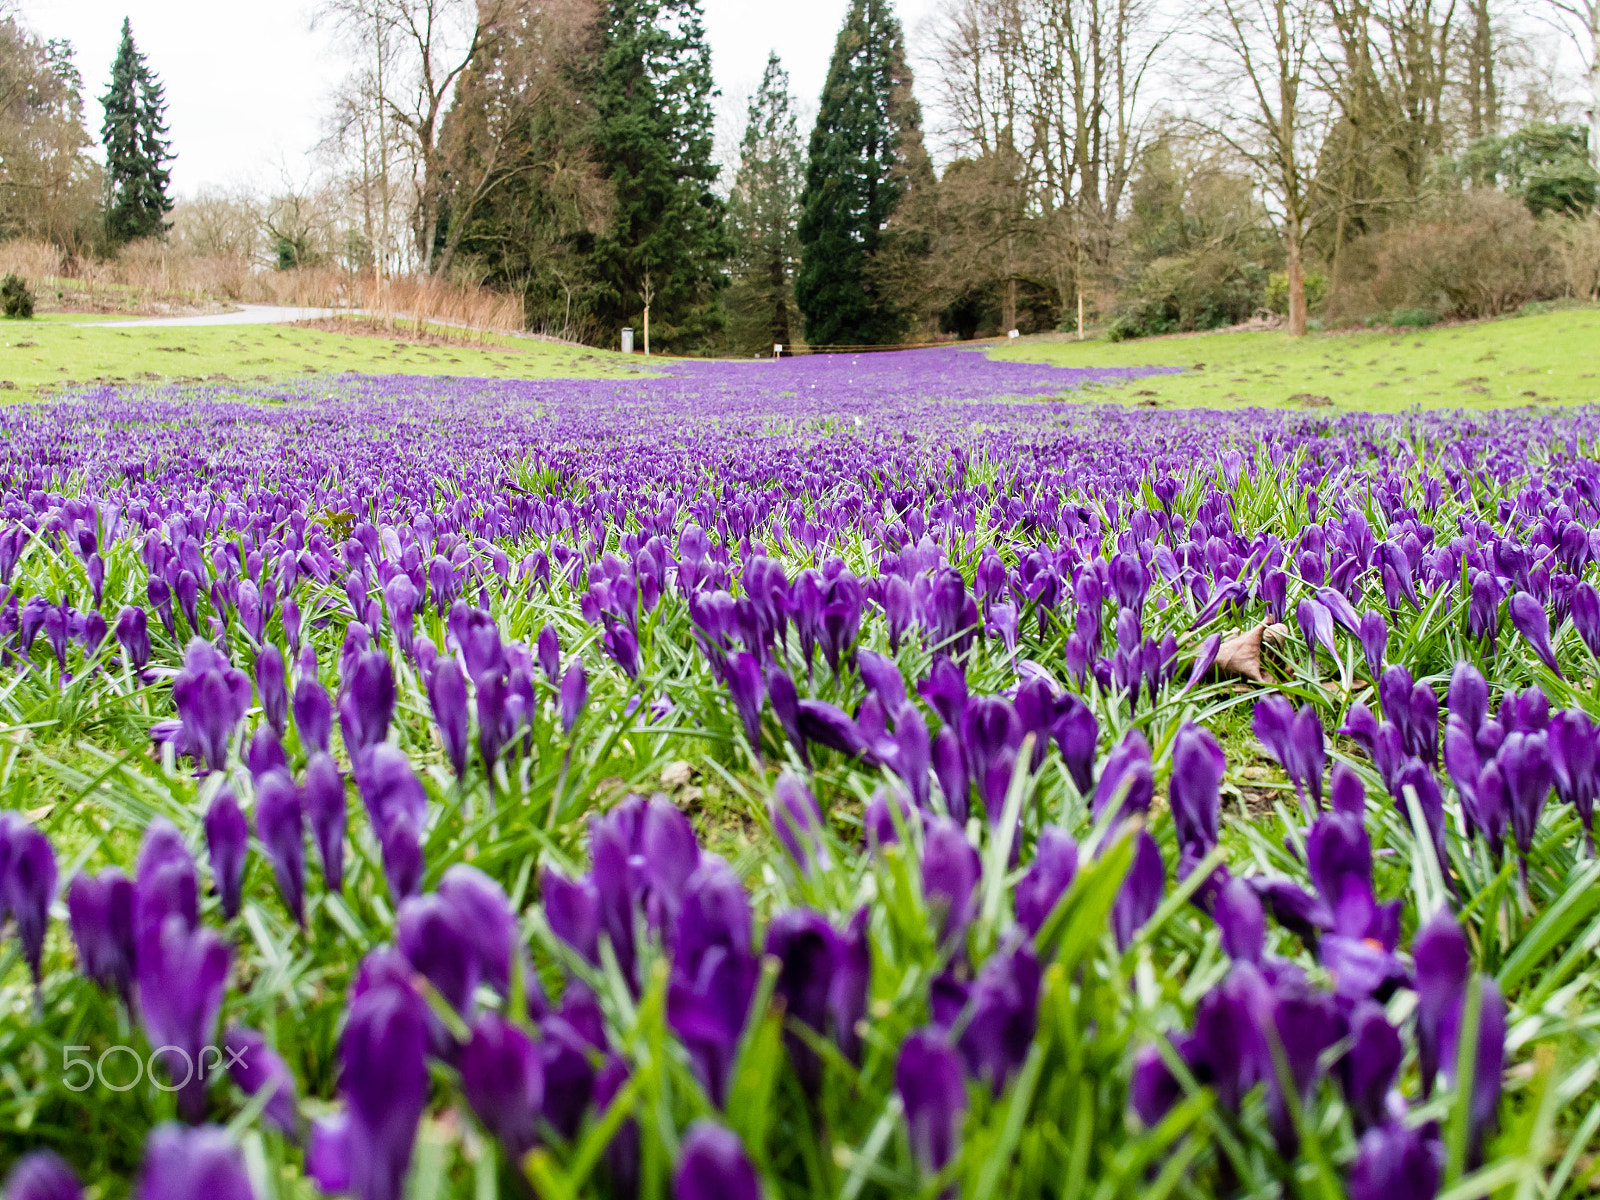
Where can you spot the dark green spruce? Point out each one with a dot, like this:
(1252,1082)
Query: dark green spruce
(667,240)
(137,149)
(764,206)
(866,151)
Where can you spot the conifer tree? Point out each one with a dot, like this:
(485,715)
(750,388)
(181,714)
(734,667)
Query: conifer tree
(866,153)
(137,150)
(667,240)
(764,207)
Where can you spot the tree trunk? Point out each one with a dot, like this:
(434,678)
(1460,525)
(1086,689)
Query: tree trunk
(1297,283)
(1594,82)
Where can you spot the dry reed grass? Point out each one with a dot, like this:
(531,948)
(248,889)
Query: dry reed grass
(149,276)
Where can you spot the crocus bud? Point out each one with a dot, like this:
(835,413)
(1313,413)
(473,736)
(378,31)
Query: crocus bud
(1055,862)
(1533,623)
(100,912)
(228,846)
(27,884)
(182,976)
(385,1079)
(367,705)
(1197,766)
(749,692)
(574,695)
(712,1165)
(265,753)
(928,1077)
(291,623)
(1374,636)
(797,820)
(273,688)
(549,653)
(164,881)
(313,714)
(133,633)
(323,798)
(1004,1004)
(188,1164)
(502,1074)
(1140,894)
(280,824)
(255,1065)
(403,862)
(41,1175)
(950,872)
(447,693)
(1394,1160)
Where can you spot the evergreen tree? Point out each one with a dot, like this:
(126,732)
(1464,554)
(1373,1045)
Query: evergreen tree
(137,150)
(866,155)
(666,240)
(763,207)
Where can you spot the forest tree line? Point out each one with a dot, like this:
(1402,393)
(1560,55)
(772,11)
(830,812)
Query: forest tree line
(1154,167)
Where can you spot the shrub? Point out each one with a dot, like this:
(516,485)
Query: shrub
(1316,284)
(1484,254)
(1207,289)
(15,298)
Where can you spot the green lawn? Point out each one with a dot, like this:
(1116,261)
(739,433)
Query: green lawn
(1547,358)
(61,349)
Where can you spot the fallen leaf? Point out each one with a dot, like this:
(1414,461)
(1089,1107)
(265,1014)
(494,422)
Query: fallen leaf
(1240,655)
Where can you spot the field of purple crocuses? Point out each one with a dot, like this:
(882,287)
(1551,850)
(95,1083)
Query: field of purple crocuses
(909,775)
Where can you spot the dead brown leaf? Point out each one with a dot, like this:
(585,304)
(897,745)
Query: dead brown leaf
(1240,655)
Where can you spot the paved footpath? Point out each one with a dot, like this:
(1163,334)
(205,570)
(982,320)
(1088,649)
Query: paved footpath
(247,314)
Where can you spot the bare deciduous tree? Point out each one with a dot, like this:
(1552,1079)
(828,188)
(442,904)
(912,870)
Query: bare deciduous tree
(1267,112)
(412,53)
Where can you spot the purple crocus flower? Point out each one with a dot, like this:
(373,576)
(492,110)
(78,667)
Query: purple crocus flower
(187,1164)
(1055,862)
(807,949)
(950,872)
(1488,1061)
(1077,736)
(367,704)
(486,918)
(1004,1006)
(403,861)
(323,798)
(41,1175)
(712,1165)
(1395,1161)
(133,633)
(447,693)
(1524,762)
(280,824)
(100,912)
(1374,637)
(273,688)
(928,1078)
(1468,697)
(1368,1070)
(255,1066)
(1141,891)
(313,714)
(1533,623)
(797,820)
(211,697)
(1125,780)
(1585,610)
(1574,745)
(1241,921)
(384,1078)
(713,973)
(574,695)
(549,654)
(1197,767)
(502,1076)
(265,753)
(183,973)
(164,881)
(27,884)
(1444,964)
(1296,741)
(749,692)
(572,910)
(228,846)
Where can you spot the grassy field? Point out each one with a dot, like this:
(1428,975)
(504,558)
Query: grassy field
(61,350)
(1546,358)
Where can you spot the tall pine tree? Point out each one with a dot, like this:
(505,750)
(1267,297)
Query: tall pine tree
(666,242)
(137,150)
(763,207)
(866,153)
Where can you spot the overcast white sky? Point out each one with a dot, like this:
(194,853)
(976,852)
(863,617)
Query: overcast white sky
(247,83)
